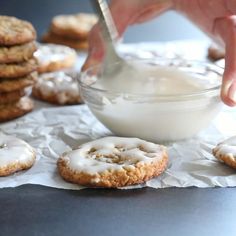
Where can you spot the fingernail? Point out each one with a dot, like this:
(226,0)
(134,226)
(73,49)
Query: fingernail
(232,93)
(225,88)
(232,96)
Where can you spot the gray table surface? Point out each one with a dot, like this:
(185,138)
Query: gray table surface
(36,210)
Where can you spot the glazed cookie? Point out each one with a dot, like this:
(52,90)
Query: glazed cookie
(16,155)
(17,53)
(215,52)
(11,97)
(76,44)
(113,162)
(226,152)
(14,31)
(52,57)
(9,85)
(16,70)
(15,110)
(73,26)
(58,88)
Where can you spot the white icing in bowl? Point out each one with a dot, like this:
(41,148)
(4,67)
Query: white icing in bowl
(178,99)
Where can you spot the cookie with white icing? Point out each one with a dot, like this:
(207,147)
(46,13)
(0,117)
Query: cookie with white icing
(52,57)
(15,155)
(59,88)
(226,152)
(113,162)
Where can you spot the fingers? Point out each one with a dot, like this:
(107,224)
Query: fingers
(226,28)
(153,9)
(124,13)
(121,13)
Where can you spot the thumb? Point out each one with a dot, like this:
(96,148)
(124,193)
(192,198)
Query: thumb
(96,48)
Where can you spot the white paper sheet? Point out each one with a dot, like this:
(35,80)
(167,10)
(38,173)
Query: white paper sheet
(54,130)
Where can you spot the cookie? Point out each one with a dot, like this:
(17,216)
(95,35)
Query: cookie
(52,57)
(75,26)
(215,52)
(14,31)
(15,110)
(9,85)
(113,162)
(16,70)
(17,53)
(76,44)
(58,88)
(15,155)
(226,152)
(11,97)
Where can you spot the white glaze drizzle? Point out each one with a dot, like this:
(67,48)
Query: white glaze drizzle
(47,53)
(14,150)
(112,153)
(228,147)
(81,21)
(60,83)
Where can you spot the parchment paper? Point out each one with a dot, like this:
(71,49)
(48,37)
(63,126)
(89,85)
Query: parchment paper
(54,130)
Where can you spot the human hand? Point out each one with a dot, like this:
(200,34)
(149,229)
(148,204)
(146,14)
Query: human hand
(217,18)
(124,13)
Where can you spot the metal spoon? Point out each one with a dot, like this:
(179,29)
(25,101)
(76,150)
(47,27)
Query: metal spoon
(110,36)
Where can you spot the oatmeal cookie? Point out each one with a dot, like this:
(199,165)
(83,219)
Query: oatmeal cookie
(11,97)
(9,85)
(16,155)
(58,88)
(75,26)
(215,53)
(14,31)
(15,110)
(113,162)
(226,152)
(52,57)
(16,70)
(76,44)
(17,53)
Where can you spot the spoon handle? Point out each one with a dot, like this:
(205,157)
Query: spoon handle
(108,26)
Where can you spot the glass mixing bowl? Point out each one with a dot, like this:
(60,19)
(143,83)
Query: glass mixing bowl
(155,117)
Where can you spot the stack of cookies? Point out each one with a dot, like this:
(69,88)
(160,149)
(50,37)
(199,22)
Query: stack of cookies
(56,82)
(17,66)
(71,30)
